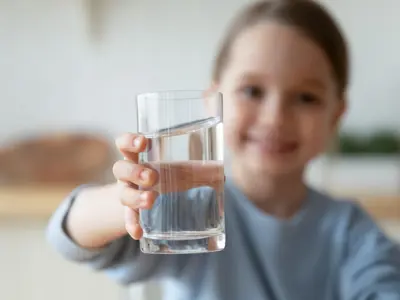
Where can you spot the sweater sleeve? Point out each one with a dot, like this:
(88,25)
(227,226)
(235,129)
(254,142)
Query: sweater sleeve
(121,260)
(372,267)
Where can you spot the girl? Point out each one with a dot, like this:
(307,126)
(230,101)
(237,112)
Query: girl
(283,71)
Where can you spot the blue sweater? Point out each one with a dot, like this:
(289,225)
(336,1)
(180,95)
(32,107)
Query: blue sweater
(331,250)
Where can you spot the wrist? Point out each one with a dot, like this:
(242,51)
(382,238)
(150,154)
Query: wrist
(96,217)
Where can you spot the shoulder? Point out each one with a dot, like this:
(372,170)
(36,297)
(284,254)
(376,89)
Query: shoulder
(350,221)
(345,210)
(338,206)
(357,238)
(368,260)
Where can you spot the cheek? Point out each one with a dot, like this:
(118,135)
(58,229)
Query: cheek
(316,131)
(235,124)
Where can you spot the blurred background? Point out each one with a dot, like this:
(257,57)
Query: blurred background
(69,73)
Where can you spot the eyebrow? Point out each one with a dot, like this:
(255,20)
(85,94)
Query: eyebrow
(252,76)
(309,82)
(315,83)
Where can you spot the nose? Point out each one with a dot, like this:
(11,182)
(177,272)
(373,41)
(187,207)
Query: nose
(273,112)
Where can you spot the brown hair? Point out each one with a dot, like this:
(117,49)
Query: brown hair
(307,16)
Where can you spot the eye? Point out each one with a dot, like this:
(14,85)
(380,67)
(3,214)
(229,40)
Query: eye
(253,92)
(308,98)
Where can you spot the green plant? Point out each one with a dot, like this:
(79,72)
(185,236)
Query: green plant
(350,144)
(382,142)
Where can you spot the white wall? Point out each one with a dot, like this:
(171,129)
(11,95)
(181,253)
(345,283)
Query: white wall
(55,75)
(63,79)
(372,27)
(52,68)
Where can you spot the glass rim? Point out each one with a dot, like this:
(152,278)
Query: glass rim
(162,94)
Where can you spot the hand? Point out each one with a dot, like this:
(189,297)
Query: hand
(140,185)
(132,178)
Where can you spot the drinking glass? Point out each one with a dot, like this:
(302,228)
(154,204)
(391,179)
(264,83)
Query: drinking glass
(184,131)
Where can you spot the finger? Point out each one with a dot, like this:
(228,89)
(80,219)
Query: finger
(130,172)
(183,176)
(132,225)
(136,199)
(130,145)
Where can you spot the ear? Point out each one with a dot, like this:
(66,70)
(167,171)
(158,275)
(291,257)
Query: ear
(211,102)
(213,88)
(341,110)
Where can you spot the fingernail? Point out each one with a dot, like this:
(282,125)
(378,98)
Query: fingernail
(143,198)
(145,175)
(137,141)
(128,216)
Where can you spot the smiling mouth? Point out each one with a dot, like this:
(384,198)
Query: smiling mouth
(273,146)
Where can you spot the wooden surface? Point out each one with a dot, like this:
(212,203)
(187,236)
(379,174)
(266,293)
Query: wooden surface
(41,201)
(381,207)
(31,201)
(55,158)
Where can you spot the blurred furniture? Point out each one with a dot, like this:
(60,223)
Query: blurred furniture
(31,201)
(40,201)
(55,159)
(364,162)
(36,174)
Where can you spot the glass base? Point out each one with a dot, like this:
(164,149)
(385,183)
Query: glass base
(170,244)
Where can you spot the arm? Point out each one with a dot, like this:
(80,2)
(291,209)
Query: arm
(97,238)
(372,267)
(90,227)
(96,217)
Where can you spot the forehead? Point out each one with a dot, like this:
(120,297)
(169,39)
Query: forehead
(278,51)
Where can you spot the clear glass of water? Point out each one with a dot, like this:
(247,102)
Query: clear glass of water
(184,132)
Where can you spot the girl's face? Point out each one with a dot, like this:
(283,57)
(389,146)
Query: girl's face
(281,104)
